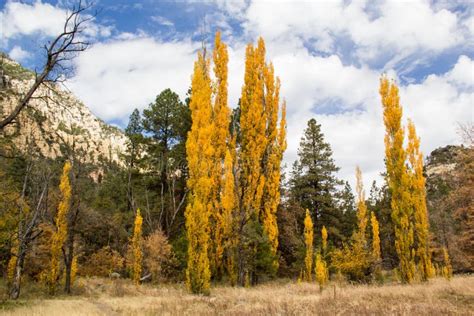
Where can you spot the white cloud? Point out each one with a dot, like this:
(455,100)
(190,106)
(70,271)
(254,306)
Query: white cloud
(162,20)
(115,77)
(24,19)
(40,18)
(18,54)
(387,29)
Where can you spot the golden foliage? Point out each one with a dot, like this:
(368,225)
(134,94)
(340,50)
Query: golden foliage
(375,237)
(59,236)
(200,153)
(137,248)
(157,253)
(228,205)
(321,270)
(324,239)
(418,200)
(361,207)
(397,178)
(308,239)
(102,263)
(447,269)
(221,137)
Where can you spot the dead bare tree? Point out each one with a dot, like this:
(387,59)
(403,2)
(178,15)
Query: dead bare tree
(35,191)
(59,53)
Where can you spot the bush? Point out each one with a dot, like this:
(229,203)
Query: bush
(102,263)
(157,254)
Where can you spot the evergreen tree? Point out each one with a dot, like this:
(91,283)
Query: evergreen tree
(313,182)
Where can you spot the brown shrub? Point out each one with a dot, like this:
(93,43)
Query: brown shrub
(102,263)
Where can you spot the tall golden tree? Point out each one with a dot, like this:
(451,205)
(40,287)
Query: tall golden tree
(418,199)
(221,138)
(308,240)
(397,178)
(59,236)
(228,205)
(200,154)
(361,208)
(137,248)
(375,237)
(261,146)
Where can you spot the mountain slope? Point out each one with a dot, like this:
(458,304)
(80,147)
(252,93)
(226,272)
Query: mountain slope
(55,119)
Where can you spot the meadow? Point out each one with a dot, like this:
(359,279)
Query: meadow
(96,296)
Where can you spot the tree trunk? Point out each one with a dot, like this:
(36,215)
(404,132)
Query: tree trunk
(68,258)
(15,287)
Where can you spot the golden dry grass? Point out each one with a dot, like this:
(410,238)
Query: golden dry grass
(107,297)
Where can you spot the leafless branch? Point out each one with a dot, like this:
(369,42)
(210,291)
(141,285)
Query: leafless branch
(59,52)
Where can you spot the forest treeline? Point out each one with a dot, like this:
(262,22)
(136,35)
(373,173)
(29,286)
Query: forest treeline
(201,197)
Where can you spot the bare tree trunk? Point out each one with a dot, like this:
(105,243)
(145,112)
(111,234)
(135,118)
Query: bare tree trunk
(68,258)
(16,283)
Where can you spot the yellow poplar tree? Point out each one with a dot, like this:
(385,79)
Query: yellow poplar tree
(418,199)
(200,154)
(262,144)
(361,207)
(137,248)
(276,138)
(59,236)
(228,204)
(308,240)
(253,121)
(375,237)
(447,269)
(324,239)
(221,137)
(321,271)
(397,178)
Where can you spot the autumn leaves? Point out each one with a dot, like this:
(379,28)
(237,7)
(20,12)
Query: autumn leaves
(234,178)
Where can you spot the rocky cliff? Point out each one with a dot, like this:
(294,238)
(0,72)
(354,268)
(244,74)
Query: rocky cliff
(55,120)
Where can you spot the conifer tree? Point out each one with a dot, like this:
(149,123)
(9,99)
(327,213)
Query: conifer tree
(397,178)
(308,239)
(375,237)
(313,183)
(137,248)
(418,199)
(59,236)
(200,155)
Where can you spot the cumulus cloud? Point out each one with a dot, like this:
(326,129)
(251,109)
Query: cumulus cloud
(17,53)
(115,77)
(38,18)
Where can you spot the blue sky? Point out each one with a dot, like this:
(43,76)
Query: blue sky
(328,54)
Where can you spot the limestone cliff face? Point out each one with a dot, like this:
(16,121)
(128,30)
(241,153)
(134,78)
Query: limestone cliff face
(55,120)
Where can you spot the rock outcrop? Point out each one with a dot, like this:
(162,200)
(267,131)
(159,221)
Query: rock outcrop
(55,120)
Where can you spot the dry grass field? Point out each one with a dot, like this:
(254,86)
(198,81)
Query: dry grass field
(119,297)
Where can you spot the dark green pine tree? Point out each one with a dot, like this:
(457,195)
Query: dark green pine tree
(379,203)
(166,122)
(347,207)
(134,133)
(313,183)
